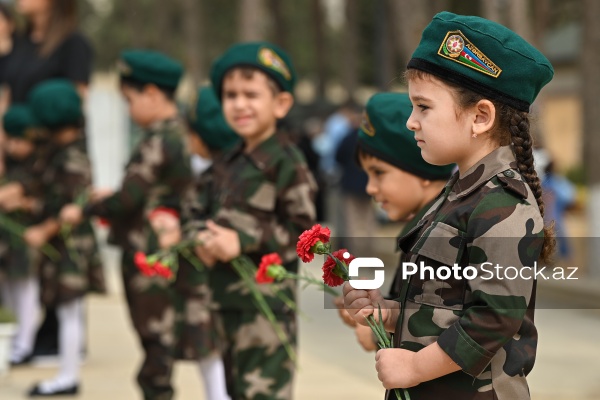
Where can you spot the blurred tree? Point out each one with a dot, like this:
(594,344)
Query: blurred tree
(409,18)
(320,47)
(193,23)
(280,26)
(542,11)
(491,9)
(383,45)
(520,18)
(251,20)
(349,60)
(591,125)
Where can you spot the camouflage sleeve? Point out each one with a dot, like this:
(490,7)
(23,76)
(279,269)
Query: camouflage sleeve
(156,159)
(507,231)
(195,205)
(295,211)
(73,179)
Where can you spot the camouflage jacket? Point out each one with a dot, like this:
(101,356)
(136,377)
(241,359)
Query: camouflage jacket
(267,196)
(15,255)
(485,324)
(66,178)
(157,174)
(396,287)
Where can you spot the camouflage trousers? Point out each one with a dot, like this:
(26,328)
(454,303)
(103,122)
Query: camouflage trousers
(257,365)
(172,320)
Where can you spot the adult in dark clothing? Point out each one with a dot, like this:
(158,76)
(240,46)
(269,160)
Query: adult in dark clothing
(49,47)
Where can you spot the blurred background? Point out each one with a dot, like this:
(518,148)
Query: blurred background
(344,51)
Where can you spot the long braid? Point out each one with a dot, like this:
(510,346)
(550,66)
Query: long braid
(518,133)
(523,145)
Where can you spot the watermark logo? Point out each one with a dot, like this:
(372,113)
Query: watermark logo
(365,262)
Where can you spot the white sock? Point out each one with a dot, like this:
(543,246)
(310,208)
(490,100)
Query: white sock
(70,336)
(21,296)
(213,375)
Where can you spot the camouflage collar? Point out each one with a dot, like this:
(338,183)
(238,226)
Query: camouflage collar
(485,169)
(263,155)
(164,124)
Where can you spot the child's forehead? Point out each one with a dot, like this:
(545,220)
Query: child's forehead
(246,74)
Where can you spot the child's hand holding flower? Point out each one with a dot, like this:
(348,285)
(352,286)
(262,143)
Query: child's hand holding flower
(222,244)
(165,223)
(71,214)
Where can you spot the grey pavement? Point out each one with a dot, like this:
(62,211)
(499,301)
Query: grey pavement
(331,365)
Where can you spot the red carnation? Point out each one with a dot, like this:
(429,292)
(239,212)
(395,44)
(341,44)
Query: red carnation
(141,262)
(163,210)
(262,274)
(103,222)
(163,270)
(330,272)
(310,238)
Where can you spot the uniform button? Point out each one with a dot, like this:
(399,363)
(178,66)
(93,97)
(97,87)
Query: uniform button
(509,174)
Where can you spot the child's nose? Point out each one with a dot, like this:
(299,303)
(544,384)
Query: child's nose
(411,123)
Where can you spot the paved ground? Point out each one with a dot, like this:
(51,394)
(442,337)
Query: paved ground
(331,364)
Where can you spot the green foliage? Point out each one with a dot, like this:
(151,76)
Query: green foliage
(577,175)
(6,316)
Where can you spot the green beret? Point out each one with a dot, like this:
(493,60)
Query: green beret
(147,67)
(18,120)
(55,103)
(262,55)
(206,119)
(482,56)
(383,134)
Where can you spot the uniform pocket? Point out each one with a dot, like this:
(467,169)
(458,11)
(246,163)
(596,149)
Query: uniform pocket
(436,282)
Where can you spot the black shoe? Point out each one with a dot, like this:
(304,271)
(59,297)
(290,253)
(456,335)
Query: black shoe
(22,361)
(68,391)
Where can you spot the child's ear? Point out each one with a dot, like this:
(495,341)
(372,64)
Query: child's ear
(283,103)
(484,115)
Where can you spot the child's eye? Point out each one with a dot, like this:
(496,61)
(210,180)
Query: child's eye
(422,107)
(378,172)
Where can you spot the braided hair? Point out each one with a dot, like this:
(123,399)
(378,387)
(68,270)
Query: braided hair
(511,127)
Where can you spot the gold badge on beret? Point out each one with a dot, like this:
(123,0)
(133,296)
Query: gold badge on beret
(270,59)
(124,68)
(366,125)
(458,48)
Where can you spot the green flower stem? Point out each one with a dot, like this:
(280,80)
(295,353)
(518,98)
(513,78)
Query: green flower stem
(17,229)
(241,264)
(309,279)
(341,269)
(378,329)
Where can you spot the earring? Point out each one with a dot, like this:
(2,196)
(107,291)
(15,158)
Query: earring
(474,136)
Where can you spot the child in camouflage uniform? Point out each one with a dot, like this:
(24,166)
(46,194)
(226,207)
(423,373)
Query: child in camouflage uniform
(399,179)
(18,278)
(156,175)
(65,176)
(261,199)
(471,83)
(197,329)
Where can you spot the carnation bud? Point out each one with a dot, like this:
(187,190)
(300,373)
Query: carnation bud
(276,272)
(321,248)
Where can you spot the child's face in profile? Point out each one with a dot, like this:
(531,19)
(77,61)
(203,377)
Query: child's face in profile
(141,105)
(250,105)
(442,132)
(19,149)
(399,193)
